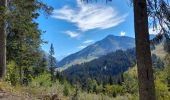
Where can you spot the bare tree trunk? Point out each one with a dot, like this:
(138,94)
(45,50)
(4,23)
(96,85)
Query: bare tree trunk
(144,62)
(3,3)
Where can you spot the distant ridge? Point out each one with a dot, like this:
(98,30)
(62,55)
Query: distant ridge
(109,44)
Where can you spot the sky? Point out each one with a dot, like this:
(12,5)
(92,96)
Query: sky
(74,25)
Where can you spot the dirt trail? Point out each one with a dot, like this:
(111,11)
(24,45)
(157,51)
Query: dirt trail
(9,96)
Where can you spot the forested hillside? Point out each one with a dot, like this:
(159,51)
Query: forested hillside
(115,68)
(103,70)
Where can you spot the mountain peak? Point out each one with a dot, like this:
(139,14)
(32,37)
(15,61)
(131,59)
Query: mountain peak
(109,44)
(110,35)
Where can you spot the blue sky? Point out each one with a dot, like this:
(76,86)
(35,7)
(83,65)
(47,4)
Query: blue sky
(74,25)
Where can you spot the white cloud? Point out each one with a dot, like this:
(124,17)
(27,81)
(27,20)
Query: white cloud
(72,34)
(82,46)
(90,16)
(85,44)
(122,33)
(88,41)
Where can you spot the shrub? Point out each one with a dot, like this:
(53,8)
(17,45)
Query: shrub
(67,89)
(42,80)
(114,90)
(12,75)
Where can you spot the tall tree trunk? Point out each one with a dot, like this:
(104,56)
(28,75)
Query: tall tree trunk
(3,3)
(144,62)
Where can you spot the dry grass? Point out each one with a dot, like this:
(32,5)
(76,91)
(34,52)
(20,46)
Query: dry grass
(7,92)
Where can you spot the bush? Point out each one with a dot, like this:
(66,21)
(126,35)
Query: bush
(12,75)
(42,80)
(130,83)
(161,90)
(114,90)
(99,89)
(67,89)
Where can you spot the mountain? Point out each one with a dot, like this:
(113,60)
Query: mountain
(110,66)
(101,69)
(109,44)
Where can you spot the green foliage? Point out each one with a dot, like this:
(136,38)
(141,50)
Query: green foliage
(42,80)
(67,89)
(76,93)
(161,90)
(27,75)
(23,36)
(99,89)
(167,44)
(59,76)
(157,62)
(91,85)
(41,66)
(28,65)
(106,69)
(12,75)
(114,90)
(161,85)
(167,70)
(52,62)
(130,84)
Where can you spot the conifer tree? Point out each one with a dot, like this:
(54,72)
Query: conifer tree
(20,35)
(52,62)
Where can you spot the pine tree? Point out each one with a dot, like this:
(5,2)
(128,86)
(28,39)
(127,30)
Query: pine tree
(52,62)
(22,37)
(110,80)
(43,65)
